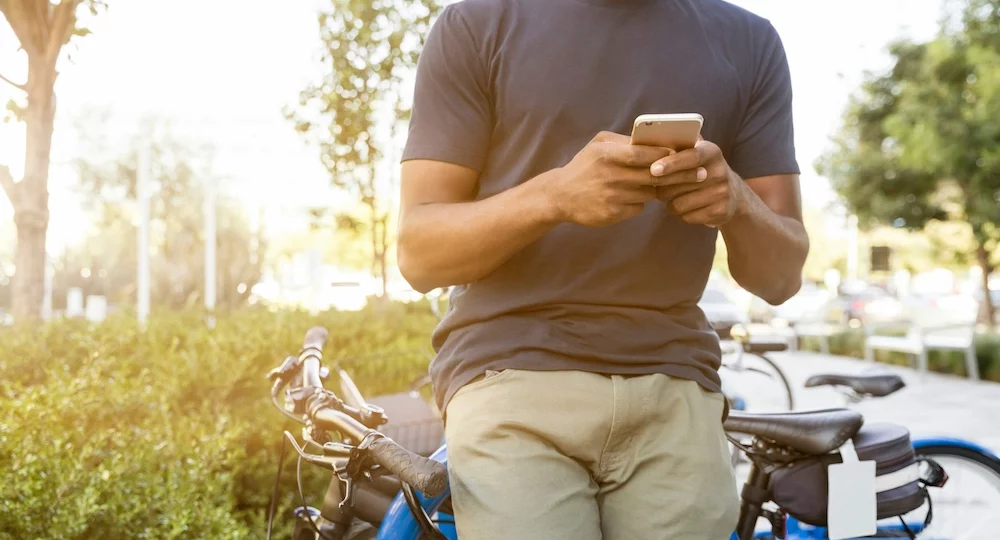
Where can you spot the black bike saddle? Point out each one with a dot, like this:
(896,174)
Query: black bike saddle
(869,385)
(810,432)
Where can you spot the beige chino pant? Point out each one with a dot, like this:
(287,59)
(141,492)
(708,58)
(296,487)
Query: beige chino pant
(551,455)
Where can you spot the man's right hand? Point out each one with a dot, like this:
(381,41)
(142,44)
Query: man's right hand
(606,182)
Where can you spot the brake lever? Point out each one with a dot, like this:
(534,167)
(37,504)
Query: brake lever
(315,459)
(359,467)
(285,371)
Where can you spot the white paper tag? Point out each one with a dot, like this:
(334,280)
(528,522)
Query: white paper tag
(852,510)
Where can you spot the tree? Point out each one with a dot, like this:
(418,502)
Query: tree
(106,262)
(369,47)
(921,143)
(43,28)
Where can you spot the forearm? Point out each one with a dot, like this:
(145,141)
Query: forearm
(766,251)
(442,244)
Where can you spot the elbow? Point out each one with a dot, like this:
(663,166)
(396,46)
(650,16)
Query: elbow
(412,273)
(412,268)
(782,291)
(778,287)
(784,285)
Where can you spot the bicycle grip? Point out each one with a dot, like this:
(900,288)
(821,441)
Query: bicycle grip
(315,338)
(426,475)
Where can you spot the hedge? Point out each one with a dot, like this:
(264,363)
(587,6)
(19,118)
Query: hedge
(111,432)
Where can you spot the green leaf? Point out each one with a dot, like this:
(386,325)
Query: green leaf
(367,48)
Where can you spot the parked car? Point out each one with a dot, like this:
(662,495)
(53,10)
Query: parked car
(948,306)
(721,311)
(808,305)
(868,305)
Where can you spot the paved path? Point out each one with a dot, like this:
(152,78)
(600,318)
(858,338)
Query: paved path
(931,404)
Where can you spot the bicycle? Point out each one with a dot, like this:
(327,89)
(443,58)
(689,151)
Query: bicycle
(366,464)
(959,454)
(736,350)
(369,468)
(956,455)
(740,359)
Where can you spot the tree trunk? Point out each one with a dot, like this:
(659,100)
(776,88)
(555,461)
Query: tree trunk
(983,257)
(31,197)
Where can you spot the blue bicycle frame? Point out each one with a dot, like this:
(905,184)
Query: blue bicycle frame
(399,523)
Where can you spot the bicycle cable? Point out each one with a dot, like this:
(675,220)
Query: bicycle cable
(302,498)
(277,484)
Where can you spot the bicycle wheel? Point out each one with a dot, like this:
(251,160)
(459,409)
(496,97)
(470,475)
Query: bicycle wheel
(968,506)
(760,381)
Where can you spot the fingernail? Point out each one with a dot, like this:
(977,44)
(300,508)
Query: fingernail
(657,169)
(701,174)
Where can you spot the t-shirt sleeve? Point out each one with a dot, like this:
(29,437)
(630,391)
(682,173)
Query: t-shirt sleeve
(452,116)
(764,143)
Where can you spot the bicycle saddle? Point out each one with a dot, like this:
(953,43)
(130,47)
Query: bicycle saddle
(872,385)
(810,432)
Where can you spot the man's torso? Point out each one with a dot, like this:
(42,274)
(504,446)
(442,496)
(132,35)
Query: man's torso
(619,299)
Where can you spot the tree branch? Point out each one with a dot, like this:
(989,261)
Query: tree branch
(22,87)
(20,24)
(62,24)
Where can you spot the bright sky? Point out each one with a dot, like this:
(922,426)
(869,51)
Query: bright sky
(222,70)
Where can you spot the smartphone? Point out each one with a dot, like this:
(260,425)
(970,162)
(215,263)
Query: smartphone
(677,131)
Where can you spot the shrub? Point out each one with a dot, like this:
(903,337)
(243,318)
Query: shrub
(112,432)
(852,343)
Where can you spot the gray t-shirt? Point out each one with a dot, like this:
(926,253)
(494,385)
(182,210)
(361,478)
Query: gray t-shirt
(513,88)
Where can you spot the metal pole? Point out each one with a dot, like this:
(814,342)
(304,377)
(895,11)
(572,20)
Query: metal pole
(852,247)
(210,239)
(142,192)
(47,289)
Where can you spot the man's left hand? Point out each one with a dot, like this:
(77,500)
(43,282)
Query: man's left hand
(698,186)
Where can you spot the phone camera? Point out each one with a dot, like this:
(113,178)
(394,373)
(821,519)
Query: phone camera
(649,123)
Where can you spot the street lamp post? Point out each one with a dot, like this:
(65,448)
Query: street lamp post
(142,194)
(852,247)
(210,238)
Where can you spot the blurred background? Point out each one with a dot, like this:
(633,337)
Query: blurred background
(204,180)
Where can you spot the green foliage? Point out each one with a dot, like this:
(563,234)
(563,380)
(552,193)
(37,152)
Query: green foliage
(178,180)
(922,141)
(110,432)
(369,47)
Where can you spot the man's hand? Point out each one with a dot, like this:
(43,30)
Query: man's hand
(698,186)
(608,181)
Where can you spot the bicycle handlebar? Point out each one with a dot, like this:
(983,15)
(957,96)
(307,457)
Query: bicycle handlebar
(328,412)
(427,475)
(315,338)
(312,354)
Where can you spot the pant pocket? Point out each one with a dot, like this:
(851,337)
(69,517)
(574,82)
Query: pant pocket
(486,380)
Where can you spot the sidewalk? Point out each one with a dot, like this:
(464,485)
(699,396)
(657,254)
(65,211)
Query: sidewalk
(929,405)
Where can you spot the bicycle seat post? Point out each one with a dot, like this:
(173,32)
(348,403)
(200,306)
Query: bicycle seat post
(850,396)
